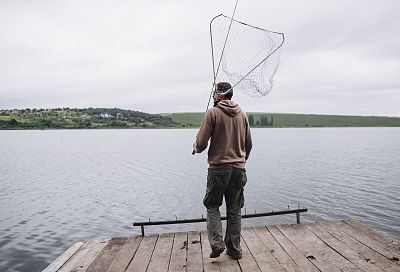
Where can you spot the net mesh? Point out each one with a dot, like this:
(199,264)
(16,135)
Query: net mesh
(250,55)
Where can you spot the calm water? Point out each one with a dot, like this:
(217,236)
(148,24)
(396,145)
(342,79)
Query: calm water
(60,187)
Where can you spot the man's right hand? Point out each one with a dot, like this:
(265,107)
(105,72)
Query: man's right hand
(194,148)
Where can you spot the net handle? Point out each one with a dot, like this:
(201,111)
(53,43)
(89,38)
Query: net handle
(215,73)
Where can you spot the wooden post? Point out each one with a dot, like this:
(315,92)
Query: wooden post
(142,228)
(298,217)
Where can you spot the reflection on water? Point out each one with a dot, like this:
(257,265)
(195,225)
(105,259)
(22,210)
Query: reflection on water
(59,187)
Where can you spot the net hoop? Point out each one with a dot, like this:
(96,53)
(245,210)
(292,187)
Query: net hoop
(244,76)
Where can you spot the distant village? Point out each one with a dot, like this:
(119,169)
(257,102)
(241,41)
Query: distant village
(81,118)
(65,112)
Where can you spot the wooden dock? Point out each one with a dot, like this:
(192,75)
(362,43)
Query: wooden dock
(345,245)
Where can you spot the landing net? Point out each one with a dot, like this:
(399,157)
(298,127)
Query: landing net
(248,57)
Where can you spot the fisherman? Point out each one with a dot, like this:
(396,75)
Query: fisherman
(230,145)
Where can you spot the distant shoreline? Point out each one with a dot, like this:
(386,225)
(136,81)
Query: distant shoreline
(114,118)
(177,128)
(291,120)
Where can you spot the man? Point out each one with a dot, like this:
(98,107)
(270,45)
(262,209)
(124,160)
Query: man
(230,147)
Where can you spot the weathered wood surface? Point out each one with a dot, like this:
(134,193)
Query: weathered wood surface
(62,259)
(194,259)
(344,245)
(177,263)
(81,260)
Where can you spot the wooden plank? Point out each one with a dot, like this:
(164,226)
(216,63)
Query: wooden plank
(89,257)
(326,252)
(143,254)
(69,265)
(373,233)
(210,265)
(162,253)
(194,256)
(343,249)
(372,239)
(63,258)
(313,249)
(247,263)
(84,257)
(178,255)
(369,254)
(228,264)
(104,258)
(379,246)
(262,255)
(125,255)
(303,263)
(276,250)
(331,255)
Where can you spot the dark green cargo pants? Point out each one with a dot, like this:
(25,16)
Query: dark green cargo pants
(229,182)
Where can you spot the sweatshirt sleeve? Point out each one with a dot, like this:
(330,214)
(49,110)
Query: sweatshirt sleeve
(205,132)
(249,141)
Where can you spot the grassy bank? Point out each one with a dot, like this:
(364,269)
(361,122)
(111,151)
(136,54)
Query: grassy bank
(262,119)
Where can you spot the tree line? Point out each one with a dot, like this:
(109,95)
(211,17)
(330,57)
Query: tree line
(262,121)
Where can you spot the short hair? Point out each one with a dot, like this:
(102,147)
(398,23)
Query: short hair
(225,89)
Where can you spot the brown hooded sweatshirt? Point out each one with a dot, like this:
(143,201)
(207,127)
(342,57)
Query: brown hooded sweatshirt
(229,130)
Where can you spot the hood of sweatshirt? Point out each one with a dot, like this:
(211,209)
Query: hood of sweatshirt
(229,107)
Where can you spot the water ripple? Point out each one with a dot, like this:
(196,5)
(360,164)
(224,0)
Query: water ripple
(59,187)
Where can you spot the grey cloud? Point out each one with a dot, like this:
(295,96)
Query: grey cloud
(156,57)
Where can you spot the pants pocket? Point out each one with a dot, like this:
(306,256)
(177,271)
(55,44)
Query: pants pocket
(217,182)
(218,178)
(242,182)
(242,179)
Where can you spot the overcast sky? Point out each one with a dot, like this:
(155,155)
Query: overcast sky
(339,57)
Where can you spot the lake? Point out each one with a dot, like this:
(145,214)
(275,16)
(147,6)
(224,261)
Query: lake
(63,186)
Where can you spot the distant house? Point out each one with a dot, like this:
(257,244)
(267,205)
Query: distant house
(105,115)
(15,112)
(119,115)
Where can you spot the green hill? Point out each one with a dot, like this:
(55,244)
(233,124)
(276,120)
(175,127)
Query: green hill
(186,119)
(262,119)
